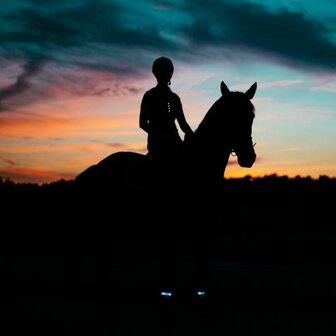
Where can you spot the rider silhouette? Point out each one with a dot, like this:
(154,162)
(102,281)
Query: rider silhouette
(160,108)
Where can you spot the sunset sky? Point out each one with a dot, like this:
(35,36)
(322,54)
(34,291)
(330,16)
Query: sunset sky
(73,74)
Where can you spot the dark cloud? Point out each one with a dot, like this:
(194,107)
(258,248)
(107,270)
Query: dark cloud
(287,36)
(8,161)
(121,38)
(85,24)
(109,29)
(80,34)
(30,69)
(110,144)
(121,90)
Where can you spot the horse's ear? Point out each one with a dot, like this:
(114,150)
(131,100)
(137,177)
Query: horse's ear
(224,89)
(251,91)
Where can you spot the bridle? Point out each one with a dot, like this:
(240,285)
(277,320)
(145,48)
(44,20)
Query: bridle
(233,152)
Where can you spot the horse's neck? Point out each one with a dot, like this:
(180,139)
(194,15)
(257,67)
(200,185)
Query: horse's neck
(204,159)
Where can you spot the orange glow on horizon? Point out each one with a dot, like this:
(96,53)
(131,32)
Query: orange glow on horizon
(58,137)
(44,127)
(33,175)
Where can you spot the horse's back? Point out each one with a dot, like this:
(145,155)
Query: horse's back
(116,169)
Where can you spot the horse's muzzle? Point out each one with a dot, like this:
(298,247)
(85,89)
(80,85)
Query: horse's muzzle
(246,159)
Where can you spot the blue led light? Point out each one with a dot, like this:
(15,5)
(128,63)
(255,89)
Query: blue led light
(166,294)
(200,293)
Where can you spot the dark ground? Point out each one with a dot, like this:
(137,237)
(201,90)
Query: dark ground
(71,267)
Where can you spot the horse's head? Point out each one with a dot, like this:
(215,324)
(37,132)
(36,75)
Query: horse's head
(225,129)
(240,116)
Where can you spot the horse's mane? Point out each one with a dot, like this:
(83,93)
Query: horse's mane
(223,112)
(219,122)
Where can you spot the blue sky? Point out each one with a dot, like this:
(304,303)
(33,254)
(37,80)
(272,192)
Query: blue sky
(73,74)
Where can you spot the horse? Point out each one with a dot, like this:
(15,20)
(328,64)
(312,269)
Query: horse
(225,129)
(148,191)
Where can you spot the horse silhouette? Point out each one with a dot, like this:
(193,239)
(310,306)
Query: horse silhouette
(225,129)
(136,188)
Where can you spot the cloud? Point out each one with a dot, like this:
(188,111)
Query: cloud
(90,35)
(88,32)
(122,38)
(8,161)
(291,149)
(111,144)
(65,29)
(286,36)
(22,83)
(326,83)
(281,83)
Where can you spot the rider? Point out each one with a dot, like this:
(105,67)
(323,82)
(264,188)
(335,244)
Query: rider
(160,108)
